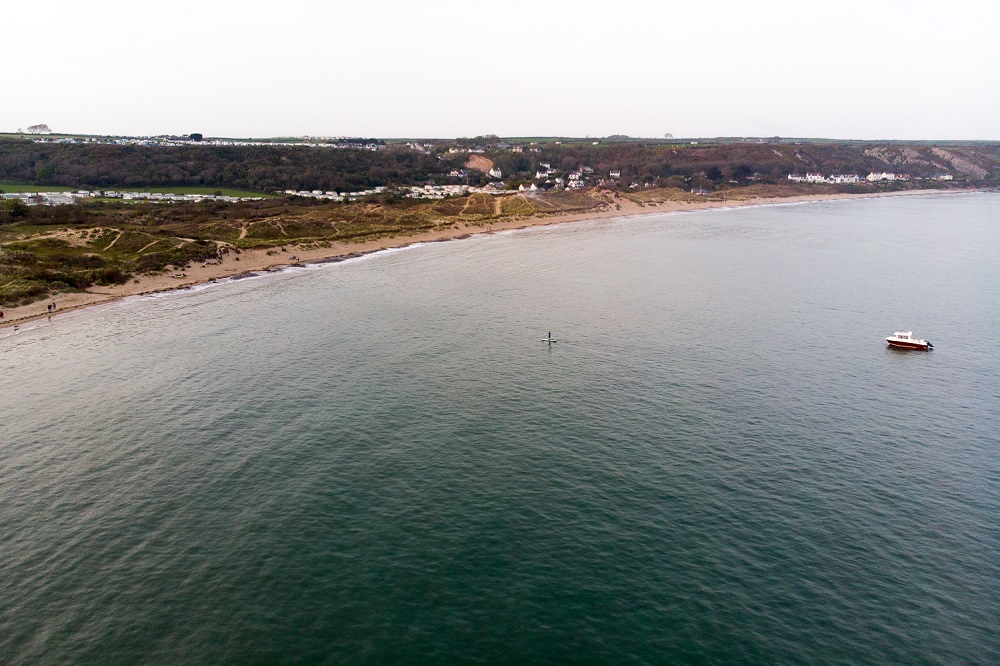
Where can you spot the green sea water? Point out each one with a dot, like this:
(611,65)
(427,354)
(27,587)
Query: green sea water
(380,461)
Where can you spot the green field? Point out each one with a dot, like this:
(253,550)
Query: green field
(13,187)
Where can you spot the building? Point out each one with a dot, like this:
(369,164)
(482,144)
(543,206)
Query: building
(874,177)
(815,178)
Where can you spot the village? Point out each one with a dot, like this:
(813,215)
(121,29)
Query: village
(177,141)
(459,168)
(873,177)
(574,180)
(64,198)
(546,178)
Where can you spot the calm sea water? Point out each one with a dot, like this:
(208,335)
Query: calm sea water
(379,461)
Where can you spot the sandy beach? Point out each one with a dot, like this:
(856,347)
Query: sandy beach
(258,260)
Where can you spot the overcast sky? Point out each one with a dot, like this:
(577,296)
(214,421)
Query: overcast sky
(866,70)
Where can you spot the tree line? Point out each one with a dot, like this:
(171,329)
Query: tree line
(270,168)
(256,168)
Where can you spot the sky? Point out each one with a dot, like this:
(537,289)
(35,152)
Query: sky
(848,70)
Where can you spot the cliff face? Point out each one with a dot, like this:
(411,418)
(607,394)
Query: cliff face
(964,163)
(479,163)
(959,161)
(974,162)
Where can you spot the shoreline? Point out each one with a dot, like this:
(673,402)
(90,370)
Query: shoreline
(256,261)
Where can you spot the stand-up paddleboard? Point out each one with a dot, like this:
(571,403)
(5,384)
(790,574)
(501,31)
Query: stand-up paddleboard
(549,340)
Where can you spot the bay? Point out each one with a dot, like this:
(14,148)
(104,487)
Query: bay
(380,460)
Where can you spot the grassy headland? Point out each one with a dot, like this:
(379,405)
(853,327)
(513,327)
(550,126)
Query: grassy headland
(71,248)
(51,250)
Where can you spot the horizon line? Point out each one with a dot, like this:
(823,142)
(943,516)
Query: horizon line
(547,137)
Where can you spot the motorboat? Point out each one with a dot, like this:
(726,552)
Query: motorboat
(905,340)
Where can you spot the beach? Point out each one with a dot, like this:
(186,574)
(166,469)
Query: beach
(234,265)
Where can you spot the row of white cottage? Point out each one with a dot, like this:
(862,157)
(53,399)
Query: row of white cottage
(838,178)
(841,178)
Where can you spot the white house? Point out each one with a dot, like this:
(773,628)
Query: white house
(615,173)
(872,177)
(820,178)
(495,172)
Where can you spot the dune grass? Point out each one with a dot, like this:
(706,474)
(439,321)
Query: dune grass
(17,187)
(53,249)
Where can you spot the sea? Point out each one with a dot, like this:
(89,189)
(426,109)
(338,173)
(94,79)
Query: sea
(718,460)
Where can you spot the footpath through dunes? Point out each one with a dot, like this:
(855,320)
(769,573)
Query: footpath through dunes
(108,252)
